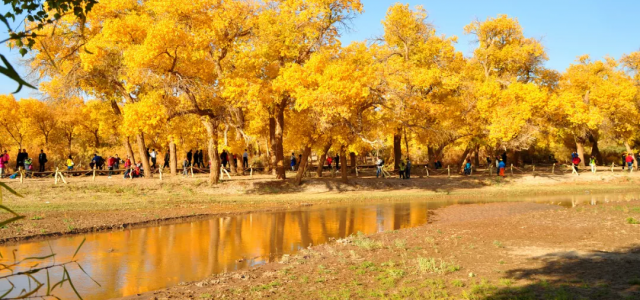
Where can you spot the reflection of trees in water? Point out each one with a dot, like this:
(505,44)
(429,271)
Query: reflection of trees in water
(155,257)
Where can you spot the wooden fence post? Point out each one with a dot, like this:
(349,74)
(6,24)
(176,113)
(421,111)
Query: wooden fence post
(94,173)
(449,171)
(511,169)
(553,170)
(56,176)
(612,166)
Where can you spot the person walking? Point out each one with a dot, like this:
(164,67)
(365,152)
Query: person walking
(337,161)
(42,160)
(379,165)
(225,158)
(2,163)
(70,163)
(19,160)
(407,170)
(467,167)
(592,163)
(402,168)
(110,163)
(245,160)
(292,161)
(116,163)
(189,156)
(629,161)
(501,166)
(498,165)
(329,162)
(576,161)
(624,160)
(185,164)
(167,158)
(154,156)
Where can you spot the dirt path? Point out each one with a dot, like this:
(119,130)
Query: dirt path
(491,251)
(107,204)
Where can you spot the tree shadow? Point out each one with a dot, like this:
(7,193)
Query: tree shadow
(576,275)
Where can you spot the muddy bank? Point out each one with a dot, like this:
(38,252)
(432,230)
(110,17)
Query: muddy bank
(491,251)
(86,206)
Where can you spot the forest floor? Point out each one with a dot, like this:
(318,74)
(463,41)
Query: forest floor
(84,205)
(478,251)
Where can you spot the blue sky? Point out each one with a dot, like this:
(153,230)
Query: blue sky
(567,28)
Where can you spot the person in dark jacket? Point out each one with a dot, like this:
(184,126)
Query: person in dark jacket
(42,160)
(190,157)
(167,157)
(224,157)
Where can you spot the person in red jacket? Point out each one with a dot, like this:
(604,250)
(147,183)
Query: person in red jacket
(111,161)
(629,161)
(576,161)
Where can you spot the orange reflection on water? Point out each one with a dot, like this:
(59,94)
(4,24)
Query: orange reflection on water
(135,261)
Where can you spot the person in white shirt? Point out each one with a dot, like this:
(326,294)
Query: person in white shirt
(153,155)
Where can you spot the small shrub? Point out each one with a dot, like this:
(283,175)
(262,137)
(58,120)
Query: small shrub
(457,283)
(631,220)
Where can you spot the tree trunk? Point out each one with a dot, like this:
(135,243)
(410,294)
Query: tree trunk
(516,158)
(397,149)
(279,133)
(173,158)
(323,159)
(233,164)
(354,162)
(406,141)
(142,149)
(214,157)
(96,139)
(476,156)
(595,151)
(580,147)
(464,158)
(343,171)
(127,147)
(272,146)
(303,164)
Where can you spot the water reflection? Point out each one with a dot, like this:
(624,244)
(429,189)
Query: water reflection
(139,260)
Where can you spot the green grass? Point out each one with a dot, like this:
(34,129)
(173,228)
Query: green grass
(430,265)
(631,220)
(366,243)
(457,283)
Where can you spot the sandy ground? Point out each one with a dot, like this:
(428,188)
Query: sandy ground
(490,251)
(85,205)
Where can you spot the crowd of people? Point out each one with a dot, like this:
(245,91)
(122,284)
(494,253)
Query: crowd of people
(228,160)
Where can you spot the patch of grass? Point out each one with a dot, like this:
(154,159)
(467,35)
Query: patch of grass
(457,283)
(635,281)
(400,244)
(498,244)
(429,265)
(366,243)
(631,220)
(267,286)
(506,282)
(206,296)
(37,218)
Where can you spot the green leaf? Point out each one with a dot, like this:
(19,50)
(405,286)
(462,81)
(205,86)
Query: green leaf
(5,222)
(23,51)
(10,72)
(6,187)
(82,243)
(71,283)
